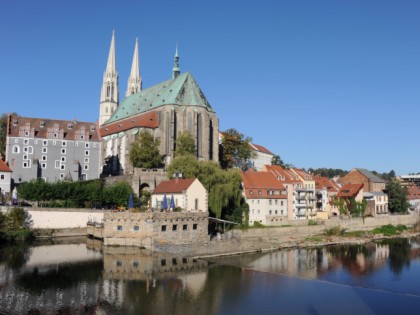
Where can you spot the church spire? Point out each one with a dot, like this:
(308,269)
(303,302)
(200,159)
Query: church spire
(109,93)
(175,69)
(134,81)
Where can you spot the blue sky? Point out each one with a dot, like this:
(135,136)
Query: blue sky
(321,83)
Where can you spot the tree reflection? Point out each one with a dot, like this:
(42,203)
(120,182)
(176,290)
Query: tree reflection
(14,256)
(399,254)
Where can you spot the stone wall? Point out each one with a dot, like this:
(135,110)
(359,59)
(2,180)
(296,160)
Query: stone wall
(155,228)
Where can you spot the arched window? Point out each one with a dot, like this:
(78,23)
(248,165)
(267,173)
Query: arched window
(199,135)
(211,139)
(167,133)
(16,149)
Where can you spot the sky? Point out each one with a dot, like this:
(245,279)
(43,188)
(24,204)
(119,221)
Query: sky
(332,84)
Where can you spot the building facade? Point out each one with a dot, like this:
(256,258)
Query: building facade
(370,181)
(5,178)
(52,149)
(263,156)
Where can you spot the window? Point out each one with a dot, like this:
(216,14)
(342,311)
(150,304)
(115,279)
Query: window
(45,142)
(251,192)
(86,167)
(119,263)
(185,227)
(25,157)
(259,192)
(64,143)
(76,144)
(270,202)
(54,142)
(195,225)
(269,212)
(16,140)
(86,160)
(15,149)
(44,165)
(61,176)
(63,151)
(44,158)
(136,228)
(196,204)
(87,145)
(163,229)
(44,150)
(62,167)
(163,262)
(174,227)
(87,153)
(1,176)
(57,164)
(36,141)
(94,145)
(281,211)
(275,212)
(281,202)
(63,159)
(26,141)
(174,262)
(119,227)
(55,135)
(26,164)
(136,264)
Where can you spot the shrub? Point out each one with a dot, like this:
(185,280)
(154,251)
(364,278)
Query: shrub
(258,224)
(334,231)
(389,230)
(312,222)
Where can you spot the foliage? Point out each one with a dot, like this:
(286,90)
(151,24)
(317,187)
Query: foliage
(235,151)
(185,144)
(312,222)
(389,230)
(223,187)
(15,225)
(315,239)
(276,160)
(328,172)
(258,224)
(349,206)
(144,153)
(81,194)
(3,127)
(334,231)
(397,197)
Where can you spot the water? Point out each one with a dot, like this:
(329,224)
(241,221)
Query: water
(81,277)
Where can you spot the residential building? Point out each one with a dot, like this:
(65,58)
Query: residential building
(297,196)
(52,149)
(306,194)
(408,180)
(263,156)
(370,181)
(350,192)
(377,203)
(413,197)
(266,197)
(5,178)
(325,191)
(165,110)
(187,194)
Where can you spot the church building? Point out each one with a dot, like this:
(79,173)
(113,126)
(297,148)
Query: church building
(166,110)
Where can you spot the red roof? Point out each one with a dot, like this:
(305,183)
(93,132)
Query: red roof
(4,167)
(325,183)
(173,186)
(349,190)
(261,148)
(147,120)
(413,192)
(262,185)
(283,175)
(41,127)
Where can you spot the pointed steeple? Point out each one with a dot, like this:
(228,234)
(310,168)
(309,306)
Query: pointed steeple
(175,69)
(134,81)
(109,92)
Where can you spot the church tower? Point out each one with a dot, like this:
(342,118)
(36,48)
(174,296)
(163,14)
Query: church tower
(109,93)
(134,81)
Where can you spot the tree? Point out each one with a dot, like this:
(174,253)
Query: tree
(144,152)
(235,150)
(3,132)
(276,160)
(185,144)
(397,197)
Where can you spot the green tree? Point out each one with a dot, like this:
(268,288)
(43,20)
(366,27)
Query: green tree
(3,132)
(17,219)
(117,194)
(144,152)
(187,165)
(235,150)
(276,160)
(185,144)
(397,197)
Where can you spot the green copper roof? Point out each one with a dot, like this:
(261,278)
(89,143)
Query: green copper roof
(183,91)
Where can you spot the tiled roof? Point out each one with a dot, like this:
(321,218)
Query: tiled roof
(325,183)
(146,120)
(283,175)
(260,183)
(174,186)
(303,174)
(4,167)
(183,90)
(349,190)
(69,129)
(372,177)
(260,148)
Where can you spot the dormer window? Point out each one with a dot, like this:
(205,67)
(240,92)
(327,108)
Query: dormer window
(92,128)
(69,126)
(42,124)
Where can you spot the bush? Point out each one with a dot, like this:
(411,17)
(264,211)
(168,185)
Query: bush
(258,225)
(312,222)
(389,230)
(334,231)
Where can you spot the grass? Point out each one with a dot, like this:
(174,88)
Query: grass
(355,234)
(389,230)
(315,239)
(334,231)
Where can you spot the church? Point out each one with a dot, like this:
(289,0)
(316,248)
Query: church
(165,110)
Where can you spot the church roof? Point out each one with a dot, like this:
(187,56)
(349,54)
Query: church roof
(183,91)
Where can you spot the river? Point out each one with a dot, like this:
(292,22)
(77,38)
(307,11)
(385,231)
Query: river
(81,277)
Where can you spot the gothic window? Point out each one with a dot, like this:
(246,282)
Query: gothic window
(199,135)
(107,91)
(112,92)
(211,140)
(167,133)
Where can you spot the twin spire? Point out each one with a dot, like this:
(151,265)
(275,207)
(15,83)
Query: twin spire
(134,81)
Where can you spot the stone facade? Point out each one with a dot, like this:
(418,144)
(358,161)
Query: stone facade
(155,228)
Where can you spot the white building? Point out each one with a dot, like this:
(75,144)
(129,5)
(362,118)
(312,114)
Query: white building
(5,177)
(262,156)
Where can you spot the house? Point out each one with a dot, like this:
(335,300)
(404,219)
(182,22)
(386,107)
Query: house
(266,197)
(377,203)
(52,149)
(413,197)
(370,181)
(325,191)
(187,194)
(263,156)
(306,194)
(350,192)
(5,178)
(408,180)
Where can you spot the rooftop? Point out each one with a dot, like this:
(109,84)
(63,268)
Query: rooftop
(173,186)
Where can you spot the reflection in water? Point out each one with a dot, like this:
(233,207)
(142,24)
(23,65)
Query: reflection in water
(86,278)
